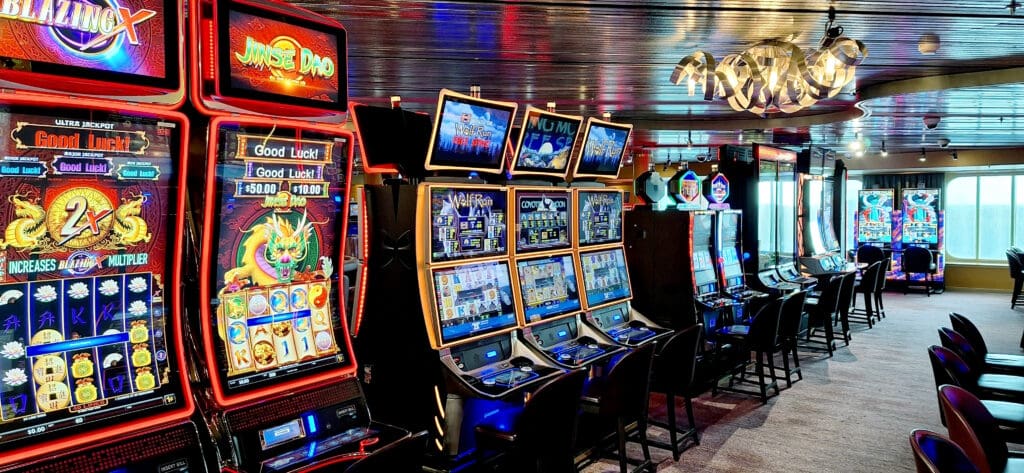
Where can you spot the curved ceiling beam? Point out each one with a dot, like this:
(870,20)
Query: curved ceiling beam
(671,124)
(939,83)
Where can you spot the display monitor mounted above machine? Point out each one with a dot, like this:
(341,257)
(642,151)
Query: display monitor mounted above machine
(391,139)
(921,216)
(131,42)
(467,222)
(605,277)
(276,255)
(545,143)
(874,216)
(547,287)
(88,271)
(470,134)
(278,55)
(598,217)
(471,300)
(604,144)
(543,220)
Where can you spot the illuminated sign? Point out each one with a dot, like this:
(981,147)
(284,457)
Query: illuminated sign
(267,57)
(125,37)
(719,188)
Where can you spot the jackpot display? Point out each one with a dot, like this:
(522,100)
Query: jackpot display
(270,57)
(132,41)
(874,216)
(548,287)
(86,253)
(469,133)
(599,217)
(542,220)
(921,216)
(467,223)
(603,146)
(545,143)
(604,276)
(473,299)
(277,247)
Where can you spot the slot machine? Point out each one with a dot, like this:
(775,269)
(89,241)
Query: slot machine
(874,218)
(439,267)
(819,248)
(766,190)
(91,221)
(278,374)
(729,250)
(921,223)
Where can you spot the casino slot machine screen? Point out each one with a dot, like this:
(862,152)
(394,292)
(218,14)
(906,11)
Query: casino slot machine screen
(599,217)
(604,276)
(604,144)
(473,299)
(874,216)
(277,247)
(921,216)
(545,143)
(88,219)
(470,134)
(548,287)
(542,221)
(467,223)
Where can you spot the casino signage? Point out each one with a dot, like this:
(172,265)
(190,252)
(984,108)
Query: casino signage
(83,27)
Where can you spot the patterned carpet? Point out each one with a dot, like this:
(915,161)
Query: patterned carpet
(851,413)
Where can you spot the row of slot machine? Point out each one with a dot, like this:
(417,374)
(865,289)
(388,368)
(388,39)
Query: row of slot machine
(477,290)
(918,222)
(171,240)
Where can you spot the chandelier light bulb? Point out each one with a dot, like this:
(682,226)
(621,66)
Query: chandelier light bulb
(691,86)
(859,153)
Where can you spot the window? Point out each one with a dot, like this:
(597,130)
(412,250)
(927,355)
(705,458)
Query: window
(984,216)
(853,186)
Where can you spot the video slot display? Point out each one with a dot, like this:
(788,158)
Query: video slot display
(470,134)
(542,221)
(921,216)
(704,272)
(605,276)
(467,223)
(548,287)
(874,216)
(265,55)
(604,144)
(545,143)
(280,216)
(130,41)
(599,217)
(87,229)
(473,299)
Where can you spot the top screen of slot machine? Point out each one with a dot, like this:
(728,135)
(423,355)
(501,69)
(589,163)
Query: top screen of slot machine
(467,223)
(280,214)
(600,217)
(702,234)
(542,221)
(87,228)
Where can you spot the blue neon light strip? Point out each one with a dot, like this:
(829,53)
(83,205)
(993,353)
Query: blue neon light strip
(311,423)
(270,319)
(76,344)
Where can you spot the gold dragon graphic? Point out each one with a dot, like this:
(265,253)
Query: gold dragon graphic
(128,226)
(284,247)
(26,231)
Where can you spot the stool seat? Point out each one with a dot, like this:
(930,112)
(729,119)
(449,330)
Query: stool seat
(1002,360)
(734,330)
(1014,465)
(1008,414)
(1002,383)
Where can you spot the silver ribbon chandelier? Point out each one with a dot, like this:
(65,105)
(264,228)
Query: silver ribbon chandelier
(775,75)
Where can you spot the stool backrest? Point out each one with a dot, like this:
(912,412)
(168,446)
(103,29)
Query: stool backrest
(882,270)
(628,384)
(917,260)
(548,421)
(962,347)
(764,328)
(869,279)
(965,327)
(936,453)
(949,368)
(1016,266)
(973,428)
(846,292)
(792,313)
(676,362)
(869,254)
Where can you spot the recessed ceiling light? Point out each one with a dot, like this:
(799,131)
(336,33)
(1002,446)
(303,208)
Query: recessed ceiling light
(928,44)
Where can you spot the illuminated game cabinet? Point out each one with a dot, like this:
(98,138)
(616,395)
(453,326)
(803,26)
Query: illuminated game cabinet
(277,365)
(92,361)
(919,222)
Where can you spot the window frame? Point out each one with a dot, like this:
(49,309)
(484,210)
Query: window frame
(976,260)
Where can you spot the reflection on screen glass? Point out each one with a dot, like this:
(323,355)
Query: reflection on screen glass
(548,287)
(473,299)
(467,223)
(604,276)
(277,253)
(600,217)
(87,230)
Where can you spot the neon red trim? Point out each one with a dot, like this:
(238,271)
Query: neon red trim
(49,448)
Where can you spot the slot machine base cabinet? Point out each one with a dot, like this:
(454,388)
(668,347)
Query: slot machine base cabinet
(175,449)
(625,325)
(569,343)
(286,435)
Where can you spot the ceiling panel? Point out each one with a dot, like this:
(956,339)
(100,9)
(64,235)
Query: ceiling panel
(592,57)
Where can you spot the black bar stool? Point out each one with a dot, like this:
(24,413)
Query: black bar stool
(674,368)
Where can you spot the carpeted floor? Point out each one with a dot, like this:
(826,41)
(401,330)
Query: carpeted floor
(851,413)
